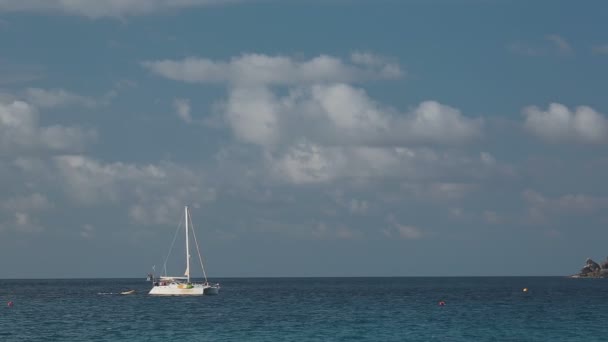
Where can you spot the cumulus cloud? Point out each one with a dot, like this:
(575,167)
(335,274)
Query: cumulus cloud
(560,124)
(20,130)
(105,8)
(144,193)
(182,109)
(319,104)
(306,163)
(253,115)
(259,69)
(434,122)
(309,163)
(384,66)
(88,180)
(341,114)
(313,126)
(419,170)
(153,193)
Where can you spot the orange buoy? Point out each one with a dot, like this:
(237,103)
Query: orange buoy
(525,289)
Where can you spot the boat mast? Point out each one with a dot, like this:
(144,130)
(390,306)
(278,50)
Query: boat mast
(187,247)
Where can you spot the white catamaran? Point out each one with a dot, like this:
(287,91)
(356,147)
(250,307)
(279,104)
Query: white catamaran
(182,285)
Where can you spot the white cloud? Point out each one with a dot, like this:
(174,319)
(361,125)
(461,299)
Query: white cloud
(559,124)
(434,122)
(50,98)
(349,109)
(386,67)
(419,170)
(150,193)
(319,104)
(105,8)
(88,180)
(307,163)
(182,109)
(20,130)
(307,125)
(253,114)
(340,114)
(259,69)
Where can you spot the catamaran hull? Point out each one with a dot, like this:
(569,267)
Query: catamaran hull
(175,291)
(212,290)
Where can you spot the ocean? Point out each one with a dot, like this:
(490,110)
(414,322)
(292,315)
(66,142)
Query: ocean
(310,309)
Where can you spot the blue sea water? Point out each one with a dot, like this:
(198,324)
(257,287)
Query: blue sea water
(310,309)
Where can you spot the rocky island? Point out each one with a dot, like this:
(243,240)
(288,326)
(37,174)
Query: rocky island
(593,270)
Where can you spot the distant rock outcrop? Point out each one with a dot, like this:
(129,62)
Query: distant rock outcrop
(593,270)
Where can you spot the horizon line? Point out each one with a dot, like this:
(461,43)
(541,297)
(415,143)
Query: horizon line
(306,277)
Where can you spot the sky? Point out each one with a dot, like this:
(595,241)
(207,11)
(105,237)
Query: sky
(309,138)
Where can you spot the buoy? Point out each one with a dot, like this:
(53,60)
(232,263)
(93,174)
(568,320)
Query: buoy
(441,303)
(525,289)
(10,304)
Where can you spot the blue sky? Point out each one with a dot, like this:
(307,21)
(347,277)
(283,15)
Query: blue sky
(310,138)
